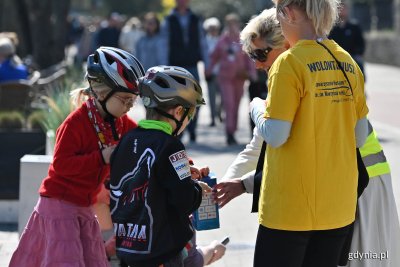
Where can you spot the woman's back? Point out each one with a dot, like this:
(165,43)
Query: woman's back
(308,89)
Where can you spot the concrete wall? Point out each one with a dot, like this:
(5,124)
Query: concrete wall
(33,170)
(383,47)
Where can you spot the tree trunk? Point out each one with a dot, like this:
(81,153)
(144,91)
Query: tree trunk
(60,28)
(397,15)
(25,28)
(48,28)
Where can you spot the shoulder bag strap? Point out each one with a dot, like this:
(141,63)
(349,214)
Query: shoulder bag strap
(338,63)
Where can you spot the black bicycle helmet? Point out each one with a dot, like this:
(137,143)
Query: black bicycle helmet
(116,68)
(168,86)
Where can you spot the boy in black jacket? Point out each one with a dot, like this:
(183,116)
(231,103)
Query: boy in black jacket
(152,193)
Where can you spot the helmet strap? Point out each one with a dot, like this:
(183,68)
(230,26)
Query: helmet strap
(178,122)
(109,117)
(111,120)
(103,103)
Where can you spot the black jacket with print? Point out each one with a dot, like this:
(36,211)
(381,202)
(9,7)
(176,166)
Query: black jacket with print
(152,195)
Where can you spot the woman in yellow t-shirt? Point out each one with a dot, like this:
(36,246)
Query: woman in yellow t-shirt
(376,229)
(313,119)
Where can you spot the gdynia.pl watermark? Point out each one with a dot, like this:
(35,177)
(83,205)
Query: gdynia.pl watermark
(368,255)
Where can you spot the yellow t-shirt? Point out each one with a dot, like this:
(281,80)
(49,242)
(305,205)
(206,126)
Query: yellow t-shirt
(310,182)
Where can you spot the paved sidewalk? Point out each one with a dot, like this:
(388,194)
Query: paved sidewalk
(236,219)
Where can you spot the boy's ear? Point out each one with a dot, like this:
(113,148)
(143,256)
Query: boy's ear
(178,111)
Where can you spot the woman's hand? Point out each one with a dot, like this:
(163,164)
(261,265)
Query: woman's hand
(226,191)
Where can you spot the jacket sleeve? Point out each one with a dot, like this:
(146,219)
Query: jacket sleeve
(173,172)
(247,159)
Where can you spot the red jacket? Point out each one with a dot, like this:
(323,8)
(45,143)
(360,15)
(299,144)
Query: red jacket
(78,170)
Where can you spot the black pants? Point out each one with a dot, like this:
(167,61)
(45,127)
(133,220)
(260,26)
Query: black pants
(279,248)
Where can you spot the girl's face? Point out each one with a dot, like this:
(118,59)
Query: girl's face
(263,55)
(120,103)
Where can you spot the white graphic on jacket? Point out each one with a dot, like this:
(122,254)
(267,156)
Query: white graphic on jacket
(132,216)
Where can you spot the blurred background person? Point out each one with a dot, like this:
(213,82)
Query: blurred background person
(185,44)
(130,35)
(212,27)
(234,69)
(258,88)
(88,43)
(149,48)
(108,34)
(348,34)
(11,66)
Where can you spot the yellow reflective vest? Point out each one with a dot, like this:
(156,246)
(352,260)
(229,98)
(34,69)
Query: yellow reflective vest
(372,154)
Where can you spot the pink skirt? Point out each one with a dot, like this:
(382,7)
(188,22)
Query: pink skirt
(60,234)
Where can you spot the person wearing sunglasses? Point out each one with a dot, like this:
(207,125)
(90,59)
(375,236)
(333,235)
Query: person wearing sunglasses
(312,126)
(375,228)
(285,222)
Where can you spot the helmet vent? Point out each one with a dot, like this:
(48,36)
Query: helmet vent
(161,82)
(109,59)
(126,75)
(96,58)
(179,79)
(120,54)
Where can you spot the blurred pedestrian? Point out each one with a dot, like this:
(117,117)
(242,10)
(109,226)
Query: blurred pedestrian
(87,43)
(234,69)
(185,44)
(348,34)
(258,88)
(149,48)
(109,32)
(212,27)
(63,229)
(11,66)
(130,35)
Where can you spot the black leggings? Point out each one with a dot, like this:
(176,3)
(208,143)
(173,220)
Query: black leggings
(279,248)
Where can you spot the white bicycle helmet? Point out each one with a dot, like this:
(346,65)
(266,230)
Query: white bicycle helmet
(168,86)
(116,68)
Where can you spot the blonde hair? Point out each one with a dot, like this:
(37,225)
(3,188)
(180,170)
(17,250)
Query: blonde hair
(264,26)
(80,95)
(322,13)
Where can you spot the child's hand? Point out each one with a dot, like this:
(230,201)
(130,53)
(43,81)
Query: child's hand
(106,152)
(204,186)
(197,173)
(110,246)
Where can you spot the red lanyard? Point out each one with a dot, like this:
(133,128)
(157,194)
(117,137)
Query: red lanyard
(91,105)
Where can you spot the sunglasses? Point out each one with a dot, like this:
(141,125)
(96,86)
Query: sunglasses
(260,54)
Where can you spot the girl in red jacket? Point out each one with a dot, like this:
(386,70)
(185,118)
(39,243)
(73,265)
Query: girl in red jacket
(63,230)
